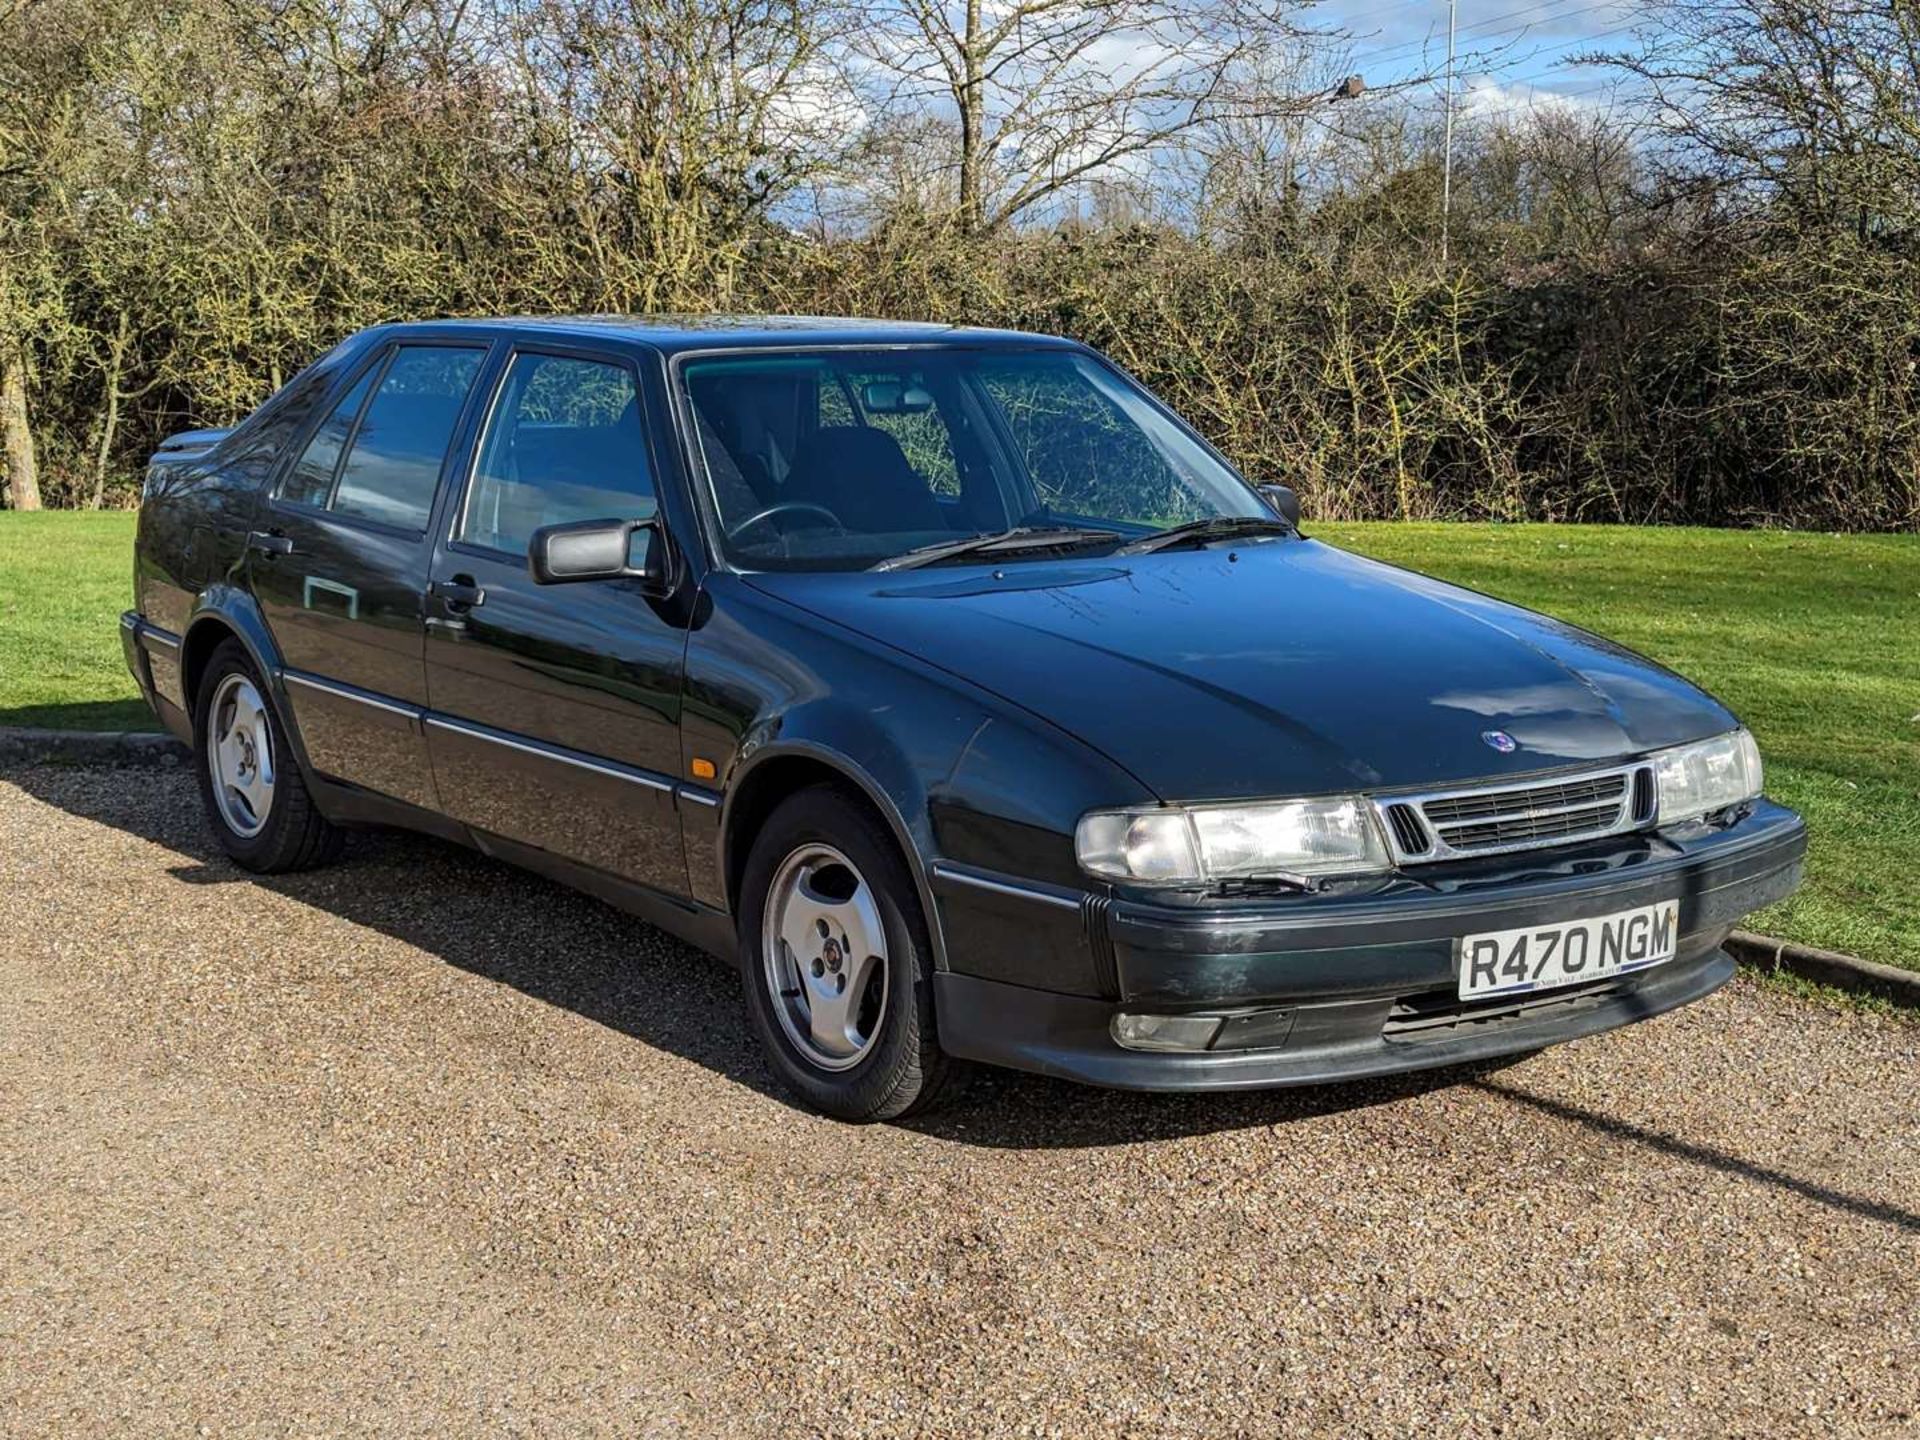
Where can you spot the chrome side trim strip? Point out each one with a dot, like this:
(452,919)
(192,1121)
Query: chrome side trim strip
(347,692)
(145,629)
(698,797)
(551,752)
(945,870)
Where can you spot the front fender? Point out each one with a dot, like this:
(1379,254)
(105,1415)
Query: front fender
(816,744)
(969,785)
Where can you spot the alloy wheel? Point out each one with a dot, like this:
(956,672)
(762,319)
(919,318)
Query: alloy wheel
(824,956)
(240,756)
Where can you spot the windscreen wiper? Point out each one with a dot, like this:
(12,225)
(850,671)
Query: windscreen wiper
(1020,537)
(1214,527)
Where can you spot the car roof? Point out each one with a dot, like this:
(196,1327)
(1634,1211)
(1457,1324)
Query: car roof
(722,332)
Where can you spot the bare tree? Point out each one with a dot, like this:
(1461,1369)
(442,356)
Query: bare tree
(16,436)
(1553,181)
(1041,95)
(1254,164)
(659,133)
(1811,103)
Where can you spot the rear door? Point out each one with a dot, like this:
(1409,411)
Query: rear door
(556,708)
(339,564)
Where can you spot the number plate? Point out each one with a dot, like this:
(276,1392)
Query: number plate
(1511,962)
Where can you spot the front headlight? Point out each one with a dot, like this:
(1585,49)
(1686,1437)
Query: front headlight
(1190,845)
(1710,775)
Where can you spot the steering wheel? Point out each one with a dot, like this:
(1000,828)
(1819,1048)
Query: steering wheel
(760,517)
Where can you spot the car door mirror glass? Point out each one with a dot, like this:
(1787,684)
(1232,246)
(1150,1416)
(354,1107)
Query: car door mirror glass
(599,550)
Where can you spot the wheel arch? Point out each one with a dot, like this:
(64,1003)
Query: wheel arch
(206,634)
(222,613)
(779,770)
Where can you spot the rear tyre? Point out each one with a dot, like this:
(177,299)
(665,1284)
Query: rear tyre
(836,963)
(255,799)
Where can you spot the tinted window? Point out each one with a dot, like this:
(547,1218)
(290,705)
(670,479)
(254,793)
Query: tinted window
(258,441)
(564,443)
(310,481)
(394,465)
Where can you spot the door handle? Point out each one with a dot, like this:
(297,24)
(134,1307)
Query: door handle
(459,594)
(270,543)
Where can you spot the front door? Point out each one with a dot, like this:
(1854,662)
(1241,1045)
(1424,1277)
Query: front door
(556,708)
(339,566)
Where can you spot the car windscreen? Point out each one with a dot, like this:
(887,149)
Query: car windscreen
(844,458)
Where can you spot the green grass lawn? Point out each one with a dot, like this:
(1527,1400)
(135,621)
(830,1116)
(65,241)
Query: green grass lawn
(64,579)
(1813,639)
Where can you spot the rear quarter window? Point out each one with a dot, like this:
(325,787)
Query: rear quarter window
(258,441)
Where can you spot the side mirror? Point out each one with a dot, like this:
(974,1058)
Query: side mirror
(1285,503)
(600,550)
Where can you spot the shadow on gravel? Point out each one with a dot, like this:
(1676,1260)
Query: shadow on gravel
(1703,1155)
(1009,1110)
(568,950)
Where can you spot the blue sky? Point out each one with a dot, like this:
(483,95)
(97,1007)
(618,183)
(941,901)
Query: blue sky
(1512,50)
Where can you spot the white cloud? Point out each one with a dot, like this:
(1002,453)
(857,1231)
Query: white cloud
(817,106)
(1481,97)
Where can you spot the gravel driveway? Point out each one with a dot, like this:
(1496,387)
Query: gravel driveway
(419,1144)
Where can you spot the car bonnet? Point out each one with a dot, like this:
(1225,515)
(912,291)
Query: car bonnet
(1276,667)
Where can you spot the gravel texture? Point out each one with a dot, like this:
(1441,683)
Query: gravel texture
(418,1144)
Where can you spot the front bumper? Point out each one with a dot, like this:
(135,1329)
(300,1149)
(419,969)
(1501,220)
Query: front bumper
(1329,988)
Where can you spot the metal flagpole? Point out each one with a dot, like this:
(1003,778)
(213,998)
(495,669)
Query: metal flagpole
(1446,171)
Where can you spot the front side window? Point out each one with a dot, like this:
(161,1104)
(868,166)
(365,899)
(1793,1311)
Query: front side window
(845,458)
(564,443)
(378,454)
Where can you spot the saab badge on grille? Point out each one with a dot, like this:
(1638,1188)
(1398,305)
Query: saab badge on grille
(1500,740)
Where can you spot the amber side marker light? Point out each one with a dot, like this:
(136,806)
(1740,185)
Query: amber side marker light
(703,770)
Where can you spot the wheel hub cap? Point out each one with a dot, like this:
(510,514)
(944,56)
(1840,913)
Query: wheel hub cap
(240,756)
(824,952)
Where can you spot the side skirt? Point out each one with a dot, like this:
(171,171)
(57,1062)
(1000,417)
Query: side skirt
(357,809)
(701,926)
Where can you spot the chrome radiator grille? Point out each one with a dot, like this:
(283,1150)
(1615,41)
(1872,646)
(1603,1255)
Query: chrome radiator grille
(1495,819)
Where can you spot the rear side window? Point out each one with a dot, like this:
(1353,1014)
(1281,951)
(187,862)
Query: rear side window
(310,482)
(378,456)
(565,443)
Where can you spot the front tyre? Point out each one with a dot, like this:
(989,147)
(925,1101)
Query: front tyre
(835,961)
(255,799)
